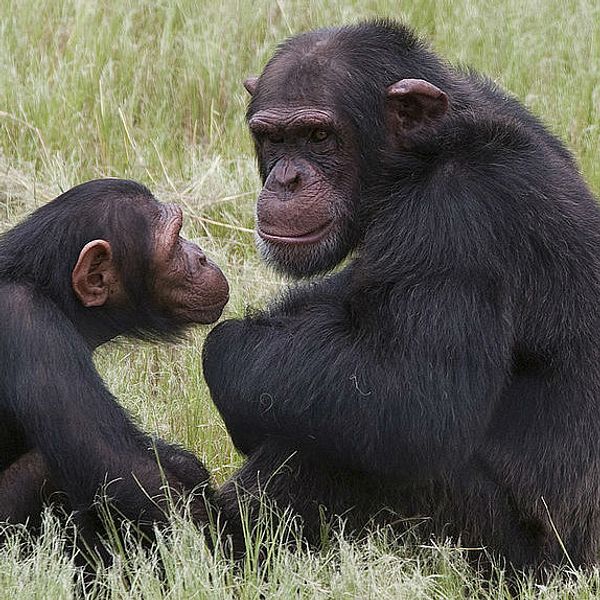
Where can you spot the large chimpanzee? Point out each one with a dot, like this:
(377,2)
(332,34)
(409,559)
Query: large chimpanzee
(451,370)
(103,259)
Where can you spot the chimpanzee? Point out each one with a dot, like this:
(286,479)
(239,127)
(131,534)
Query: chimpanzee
(103,259)
(450,370)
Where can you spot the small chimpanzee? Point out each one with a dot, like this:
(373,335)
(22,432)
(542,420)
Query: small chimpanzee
(451,370)
(103,259)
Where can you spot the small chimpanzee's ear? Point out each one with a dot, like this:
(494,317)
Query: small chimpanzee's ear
(250,84)
(94,276)
(413,105)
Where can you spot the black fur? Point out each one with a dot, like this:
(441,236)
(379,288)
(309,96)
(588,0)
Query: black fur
(58,422)
(451,370)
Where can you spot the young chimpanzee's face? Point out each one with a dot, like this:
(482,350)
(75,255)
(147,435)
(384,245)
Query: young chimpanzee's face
(181,283)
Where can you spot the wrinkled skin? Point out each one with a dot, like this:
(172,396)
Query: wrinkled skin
(185,282)
(304,212)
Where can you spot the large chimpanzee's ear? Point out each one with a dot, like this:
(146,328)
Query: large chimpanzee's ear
(94,276)
(250,84)
(414,105)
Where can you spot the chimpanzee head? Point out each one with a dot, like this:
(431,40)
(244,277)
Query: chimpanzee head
(327,109)
(110,255)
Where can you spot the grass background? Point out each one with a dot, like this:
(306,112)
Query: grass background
(151,90)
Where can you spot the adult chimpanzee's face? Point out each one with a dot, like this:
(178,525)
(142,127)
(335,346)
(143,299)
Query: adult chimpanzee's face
(185,284)
(317,160)
(304,209)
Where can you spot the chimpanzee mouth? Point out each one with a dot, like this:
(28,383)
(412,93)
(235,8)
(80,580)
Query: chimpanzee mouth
(209,314)
(215,306)
(205,313)
(312,237)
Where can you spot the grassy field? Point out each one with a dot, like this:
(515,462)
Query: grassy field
(151,90)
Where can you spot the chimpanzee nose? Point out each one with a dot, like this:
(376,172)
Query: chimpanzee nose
(290,178)
(194,253)
(285,177)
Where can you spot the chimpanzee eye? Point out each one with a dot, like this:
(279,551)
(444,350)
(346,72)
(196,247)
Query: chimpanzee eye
(319,135)
(275,138)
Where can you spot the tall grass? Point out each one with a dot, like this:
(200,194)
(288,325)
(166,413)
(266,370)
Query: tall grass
(152,90)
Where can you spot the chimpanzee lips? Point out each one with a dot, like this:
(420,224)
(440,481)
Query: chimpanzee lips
(216,306)
(207,314)
(311,237)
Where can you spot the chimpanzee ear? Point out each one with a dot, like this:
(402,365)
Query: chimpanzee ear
(414,105)
(94,275)
(250,84)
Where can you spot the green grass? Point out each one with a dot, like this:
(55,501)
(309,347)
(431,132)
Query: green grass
(152,91)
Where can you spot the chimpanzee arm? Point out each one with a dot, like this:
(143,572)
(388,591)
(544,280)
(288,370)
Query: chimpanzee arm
(51,390)
(405,389)
(26,483)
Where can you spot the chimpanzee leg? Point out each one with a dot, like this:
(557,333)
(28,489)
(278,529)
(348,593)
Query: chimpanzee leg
(23,489)
(470,507)
(310,488)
